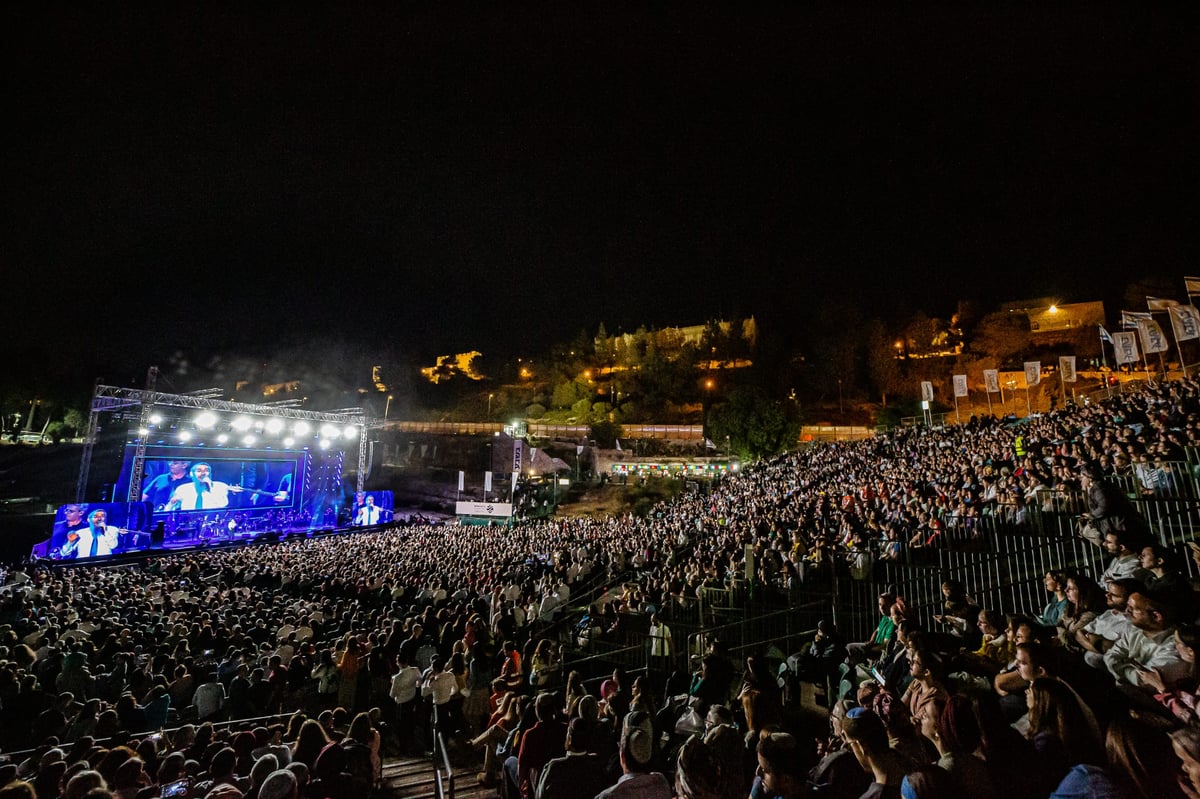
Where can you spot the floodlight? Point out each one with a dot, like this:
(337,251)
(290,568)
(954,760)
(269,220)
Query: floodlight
(241,424)
(185,436)
(156,418)
(289,441)
(301,428)
(205,420)
(248,441)
(274,426)
(324,443)
(350,432)
(221,439)
(329,431)
(143,432)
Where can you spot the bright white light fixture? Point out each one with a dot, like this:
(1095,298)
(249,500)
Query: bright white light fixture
(350,432)
(274,426)
(241,424)
(289,441)
(205,420)
(324,443)
(143,432)
(301,428)
(248,441)
(221,439)
(156,418)
(185,436)
(329,431)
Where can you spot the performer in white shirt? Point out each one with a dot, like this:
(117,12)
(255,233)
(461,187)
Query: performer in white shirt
(95,540)
(369,513)
(202,493)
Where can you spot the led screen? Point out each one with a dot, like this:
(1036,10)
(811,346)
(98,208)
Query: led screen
(202,479)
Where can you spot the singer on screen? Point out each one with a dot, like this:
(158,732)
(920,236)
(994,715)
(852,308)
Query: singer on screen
(94,540)
(202,493)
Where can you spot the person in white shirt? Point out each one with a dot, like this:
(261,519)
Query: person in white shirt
(1149,648)
(96,540)
(368,513)
(403,692)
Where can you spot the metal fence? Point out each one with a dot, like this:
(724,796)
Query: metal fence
(1001,560)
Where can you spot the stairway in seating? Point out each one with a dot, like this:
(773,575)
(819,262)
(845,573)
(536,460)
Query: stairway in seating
(412,778)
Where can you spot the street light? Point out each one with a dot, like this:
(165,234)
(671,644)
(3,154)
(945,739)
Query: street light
(386,407)
(489,417)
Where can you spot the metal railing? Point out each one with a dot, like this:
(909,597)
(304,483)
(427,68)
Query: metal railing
(443,774)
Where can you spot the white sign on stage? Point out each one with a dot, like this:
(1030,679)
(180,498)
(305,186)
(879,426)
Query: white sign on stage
(499,510)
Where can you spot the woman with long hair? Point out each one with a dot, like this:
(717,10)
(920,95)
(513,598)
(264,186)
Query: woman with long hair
(348,665)
(1059,729)
(1140,760)
(1055,582)
(1085,601)
(309,743)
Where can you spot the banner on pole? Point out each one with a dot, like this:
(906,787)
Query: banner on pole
(1125,347)
(1192,284)
(1152,336)
(518,455)
(1186,322)
(991,381)
(1130,319)
(1160,304)
(960,386)
(461,481)
(1033,373)
(487,482)
(1066,366)
(926,391)
(1104,335)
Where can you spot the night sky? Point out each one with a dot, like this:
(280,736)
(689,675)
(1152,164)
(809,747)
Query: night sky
(443,178)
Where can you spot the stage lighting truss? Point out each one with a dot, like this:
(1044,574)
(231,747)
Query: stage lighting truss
(247,420)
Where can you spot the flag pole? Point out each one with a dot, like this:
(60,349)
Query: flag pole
(957,418)
(989,396)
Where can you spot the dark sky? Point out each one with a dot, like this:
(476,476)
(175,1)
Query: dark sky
(441,178)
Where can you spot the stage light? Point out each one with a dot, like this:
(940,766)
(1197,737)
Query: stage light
(301,428)
(221,439)
(185,436)
(248,441)
(274,426)
(350,432)
(241,424)
(143,432)
(289,441)
(206,420)
(324,443)
(156,418)
(329,431)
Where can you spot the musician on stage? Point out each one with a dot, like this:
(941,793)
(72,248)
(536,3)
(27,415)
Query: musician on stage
(202,492)
(368,513)
(162,488)
(95,540)
(67,531)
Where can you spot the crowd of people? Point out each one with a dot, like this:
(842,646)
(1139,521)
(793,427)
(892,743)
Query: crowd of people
(322,646)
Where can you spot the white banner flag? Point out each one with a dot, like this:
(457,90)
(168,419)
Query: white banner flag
(1152,336)
(1033,373)
(926,391)
(1066,365)
(487,482)
(960,386)
(461,481)
(1125,347)
(1130,319)
(518,455)
(1104,335)
(1186,322)
(991,381)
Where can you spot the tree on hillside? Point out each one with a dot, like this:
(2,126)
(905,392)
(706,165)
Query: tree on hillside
(756,425)
(1001,336)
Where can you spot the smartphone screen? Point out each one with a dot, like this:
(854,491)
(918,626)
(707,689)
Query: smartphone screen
(177,788)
